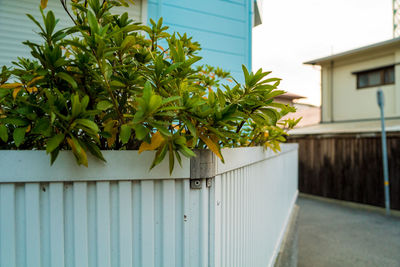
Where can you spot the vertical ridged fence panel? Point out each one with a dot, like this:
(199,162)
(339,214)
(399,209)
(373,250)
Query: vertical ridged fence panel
(253,199)
(103,223)
(120,214)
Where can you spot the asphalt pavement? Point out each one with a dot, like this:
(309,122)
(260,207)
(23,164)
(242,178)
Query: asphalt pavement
(333,235)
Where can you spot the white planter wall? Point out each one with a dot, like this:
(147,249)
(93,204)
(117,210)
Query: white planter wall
(119,214)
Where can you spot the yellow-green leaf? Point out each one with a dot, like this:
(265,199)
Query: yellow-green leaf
(32,89)
(3,133)
(54,142)
(211,145)
(19,136)
(66,77)
(10,85)
(155,102)
(156,141)
(78,151)
(16,91)
(104,105)
(116,83)
(125,134)
(43,4)
(111,127)
(90,125)
(128,42)
(141,131)
(34,80)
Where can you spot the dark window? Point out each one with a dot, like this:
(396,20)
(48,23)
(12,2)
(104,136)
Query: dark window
(375,77)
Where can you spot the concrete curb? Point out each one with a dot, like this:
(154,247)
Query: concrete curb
(287,256)
(394,213)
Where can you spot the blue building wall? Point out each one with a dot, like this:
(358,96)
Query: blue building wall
(222,27)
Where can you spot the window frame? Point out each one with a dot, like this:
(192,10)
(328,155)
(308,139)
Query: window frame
(381,70)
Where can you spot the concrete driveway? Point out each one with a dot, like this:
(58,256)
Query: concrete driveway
(331,234)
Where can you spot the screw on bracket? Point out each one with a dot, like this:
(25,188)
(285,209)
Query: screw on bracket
(209,182)
(195,184)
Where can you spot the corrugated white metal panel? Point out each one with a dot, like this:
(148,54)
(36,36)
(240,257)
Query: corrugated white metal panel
(149,220)
(16,27)
(251,207)
(104,223)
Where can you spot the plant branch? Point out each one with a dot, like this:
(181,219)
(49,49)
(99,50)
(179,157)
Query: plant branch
(64,4)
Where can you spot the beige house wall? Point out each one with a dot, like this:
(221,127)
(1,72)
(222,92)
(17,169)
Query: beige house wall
(342,101)
(326,96)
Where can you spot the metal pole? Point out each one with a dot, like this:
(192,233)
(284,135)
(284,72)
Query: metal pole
(394,18)
(384,152)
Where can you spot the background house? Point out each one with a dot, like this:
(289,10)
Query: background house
(341,157)
(349,81)
(309,114)
(223,28)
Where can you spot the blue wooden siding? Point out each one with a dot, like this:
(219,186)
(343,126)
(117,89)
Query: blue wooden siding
(222,27)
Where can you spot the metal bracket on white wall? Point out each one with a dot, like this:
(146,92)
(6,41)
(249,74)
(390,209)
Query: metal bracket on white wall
(202,166)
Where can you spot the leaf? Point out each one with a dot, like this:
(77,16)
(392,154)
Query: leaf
(112,128)
(3,133)
(212,146)
(117,84)
(43,4)
(180,140)
(54,155)
(156,141)
(94,150)
(50,22)
(147,92)
(90,125)
(34,80)
(15,121)
(10,85)
(78,151)
(178,157)
(104,105)
(171,158)
(191,61)
(125,133)
(19,135)
(191,127)
(275,93)
(246,73)
(141,131)
(155,102)
(16,91)
(66,77)
(160,155)
(187,152)
(84,102)
(32,89)
(54,142)
(128,42)
(173,67)
(132,27)
(35,21)
(76,105)
(271,114)
(162,129)
(170,99)
(94,26)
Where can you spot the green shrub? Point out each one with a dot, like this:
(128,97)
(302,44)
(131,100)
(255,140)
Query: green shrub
(106,83)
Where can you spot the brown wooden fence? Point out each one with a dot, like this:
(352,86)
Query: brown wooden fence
(348,167)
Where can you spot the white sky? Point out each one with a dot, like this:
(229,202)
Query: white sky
(295,31)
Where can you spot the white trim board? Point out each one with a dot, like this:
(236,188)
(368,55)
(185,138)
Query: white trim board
(34,166)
